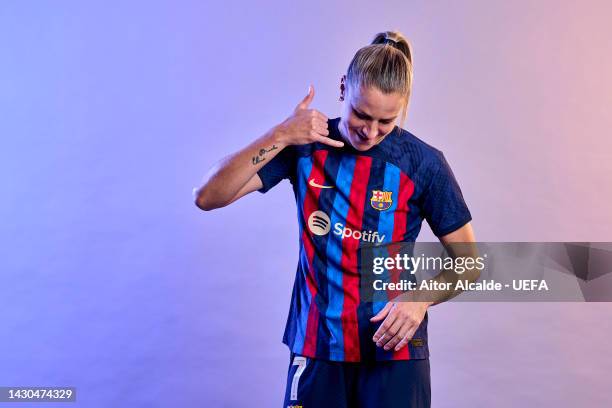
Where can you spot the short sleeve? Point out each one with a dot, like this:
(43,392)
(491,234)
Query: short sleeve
(443,206)
(282,166)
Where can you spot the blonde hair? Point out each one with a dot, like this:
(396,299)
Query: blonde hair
(385,64)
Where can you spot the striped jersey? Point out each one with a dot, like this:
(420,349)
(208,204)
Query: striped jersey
(347,199)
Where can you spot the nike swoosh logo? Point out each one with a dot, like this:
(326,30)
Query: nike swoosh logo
(312,183)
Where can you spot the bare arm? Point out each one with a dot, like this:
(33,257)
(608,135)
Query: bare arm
(457,243)
(236,175)
(402,318)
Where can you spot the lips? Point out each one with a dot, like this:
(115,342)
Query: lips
(362,138)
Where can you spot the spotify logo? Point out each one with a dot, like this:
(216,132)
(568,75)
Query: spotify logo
(319,223)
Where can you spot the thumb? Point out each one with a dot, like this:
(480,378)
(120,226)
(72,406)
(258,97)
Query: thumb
(307,99)
(383,313)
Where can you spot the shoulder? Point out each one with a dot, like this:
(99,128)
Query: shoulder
(412,151)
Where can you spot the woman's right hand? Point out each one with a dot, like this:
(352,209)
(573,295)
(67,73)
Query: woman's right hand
(306,125)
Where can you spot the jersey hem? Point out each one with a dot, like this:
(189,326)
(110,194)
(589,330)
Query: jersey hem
(337,357)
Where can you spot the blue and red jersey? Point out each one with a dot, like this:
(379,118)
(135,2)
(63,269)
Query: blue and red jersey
(347,199)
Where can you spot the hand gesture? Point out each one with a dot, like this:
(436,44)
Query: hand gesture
(306,125)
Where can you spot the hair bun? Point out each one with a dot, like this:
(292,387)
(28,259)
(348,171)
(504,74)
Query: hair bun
(390,41)
(396,40)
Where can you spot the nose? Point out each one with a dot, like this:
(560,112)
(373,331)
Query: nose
(372,132)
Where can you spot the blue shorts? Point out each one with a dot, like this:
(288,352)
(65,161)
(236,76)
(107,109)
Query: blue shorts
(316,383)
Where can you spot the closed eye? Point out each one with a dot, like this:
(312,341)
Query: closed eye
(363,116)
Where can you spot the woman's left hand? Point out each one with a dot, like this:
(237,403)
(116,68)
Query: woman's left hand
(401,320)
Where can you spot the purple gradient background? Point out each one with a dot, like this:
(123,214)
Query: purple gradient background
(114,282)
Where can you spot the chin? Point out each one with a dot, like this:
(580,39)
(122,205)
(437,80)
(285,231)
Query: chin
(362,146)
(359,144)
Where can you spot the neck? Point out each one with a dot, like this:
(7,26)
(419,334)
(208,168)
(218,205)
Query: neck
(343,131)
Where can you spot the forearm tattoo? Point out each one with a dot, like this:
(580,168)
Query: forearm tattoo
(262,152)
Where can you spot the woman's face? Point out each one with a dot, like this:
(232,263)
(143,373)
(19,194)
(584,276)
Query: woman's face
(368,116)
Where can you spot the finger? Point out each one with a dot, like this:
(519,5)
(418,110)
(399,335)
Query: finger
(383,330)
(393,336)
(380,315)
(401,344)
(405,339)
(330,142)
(307,99)
(321,116)
(384,327)
(393,342)
(321,128)
(312,119)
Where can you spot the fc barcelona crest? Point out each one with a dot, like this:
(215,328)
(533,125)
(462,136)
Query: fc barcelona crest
(381,200)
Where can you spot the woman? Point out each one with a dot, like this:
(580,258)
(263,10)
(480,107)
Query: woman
(357,179)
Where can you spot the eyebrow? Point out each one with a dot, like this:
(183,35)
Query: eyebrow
(366,116)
